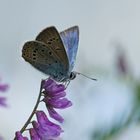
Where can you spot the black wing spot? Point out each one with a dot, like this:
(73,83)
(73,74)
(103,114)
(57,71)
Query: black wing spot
(24,48)
(56,61)
(50,53)
(53,38)
(49,42)
(34,58)
(35,50)
(42,50)
(34,54)
(43,45)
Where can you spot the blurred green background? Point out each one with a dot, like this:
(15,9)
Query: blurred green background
(108,50)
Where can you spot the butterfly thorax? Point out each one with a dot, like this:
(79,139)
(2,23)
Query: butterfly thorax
(64,78)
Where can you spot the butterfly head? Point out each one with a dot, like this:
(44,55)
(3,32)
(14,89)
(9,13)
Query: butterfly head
(72,75)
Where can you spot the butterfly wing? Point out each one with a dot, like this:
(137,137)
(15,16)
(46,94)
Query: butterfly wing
(42,57)
(70,38)
(52,39)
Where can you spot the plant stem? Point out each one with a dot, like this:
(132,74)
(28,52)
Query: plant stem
(33,112)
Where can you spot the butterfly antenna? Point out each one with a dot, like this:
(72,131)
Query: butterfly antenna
(86,76)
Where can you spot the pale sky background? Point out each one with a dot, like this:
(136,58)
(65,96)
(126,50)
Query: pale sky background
(102,24)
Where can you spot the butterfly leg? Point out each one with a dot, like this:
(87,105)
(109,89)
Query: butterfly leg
(66,83)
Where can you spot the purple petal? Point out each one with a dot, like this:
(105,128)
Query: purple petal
(46,132)
(53,114)
(3,101)
(43,134)
(57,95)
(33,134)
(48,83)
(60,103)
(19,136)
(56,88)
(54,96)
(52,86)
(43,120)
(3,87)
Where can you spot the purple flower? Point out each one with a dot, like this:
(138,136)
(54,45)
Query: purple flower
(33,134)
(54,98)
(19,136)
(3,87)
(1,138)
(122,65)
(54,114)
(45,129)
(3,101)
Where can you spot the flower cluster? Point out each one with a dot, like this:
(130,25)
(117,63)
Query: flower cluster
(54,98)
(1,138)
(3,88)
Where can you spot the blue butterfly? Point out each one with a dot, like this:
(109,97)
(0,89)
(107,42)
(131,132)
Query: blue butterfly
(54,53)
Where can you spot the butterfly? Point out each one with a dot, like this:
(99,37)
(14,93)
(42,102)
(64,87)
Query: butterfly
(54,53)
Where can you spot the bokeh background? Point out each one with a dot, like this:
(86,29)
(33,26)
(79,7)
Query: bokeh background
(108,50)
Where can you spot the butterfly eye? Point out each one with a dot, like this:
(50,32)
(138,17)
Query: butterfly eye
(72,75)
(56,61)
